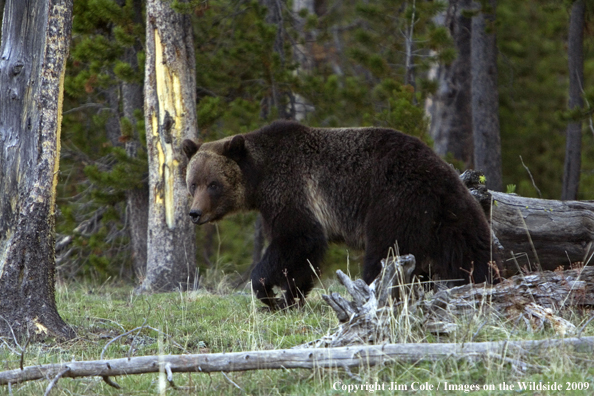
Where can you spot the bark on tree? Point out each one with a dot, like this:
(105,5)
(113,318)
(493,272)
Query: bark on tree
(485,98)
(112,124)
(302,51)
(35,43)
(170,116)
(409,48)
(451,112)
(575,57)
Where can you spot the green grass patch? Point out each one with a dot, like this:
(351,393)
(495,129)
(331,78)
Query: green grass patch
(207,322)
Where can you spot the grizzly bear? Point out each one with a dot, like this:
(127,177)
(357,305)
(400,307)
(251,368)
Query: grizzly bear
(371,188)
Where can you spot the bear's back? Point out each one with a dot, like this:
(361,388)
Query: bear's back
(340,173)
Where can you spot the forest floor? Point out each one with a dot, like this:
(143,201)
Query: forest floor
(225,320)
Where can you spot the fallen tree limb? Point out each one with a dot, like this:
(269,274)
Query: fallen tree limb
(316,358)
(372,314)
(551,289)
(535,297)
(536,233)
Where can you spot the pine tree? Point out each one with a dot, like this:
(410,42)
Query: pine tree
(104,143)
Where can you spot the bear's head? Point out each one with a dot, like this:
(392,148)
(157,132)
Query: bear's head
(214,179)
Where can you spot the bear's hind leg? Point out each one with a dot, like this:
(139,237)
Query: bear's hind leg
(372,263)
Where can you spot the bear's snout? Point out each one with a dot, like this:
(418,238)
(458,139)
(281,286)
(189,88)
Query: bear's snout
(195,214)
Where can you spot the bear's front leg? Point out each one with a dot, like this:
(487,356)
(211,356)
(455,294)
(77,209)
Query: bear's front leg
(286,264)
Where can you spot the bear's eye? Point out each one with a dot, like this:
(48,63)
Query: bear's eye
(213,185)
(192,188)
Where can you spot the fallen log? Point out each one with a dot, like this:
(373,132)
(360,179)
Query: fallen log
(327,358)
(536,234)
(372,315)
(535,297)
(543,234)
(550,289)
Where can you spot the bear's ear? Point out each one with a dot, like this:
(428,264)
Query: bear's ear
(189,147)
(235,148)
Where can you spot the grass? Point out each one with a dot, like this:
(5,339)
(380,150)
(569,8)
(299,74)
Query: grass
(205,322)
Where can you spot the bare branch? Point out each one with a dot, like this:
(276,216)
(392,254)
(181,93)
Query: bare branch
(110,382)
(55,380)
(308,358)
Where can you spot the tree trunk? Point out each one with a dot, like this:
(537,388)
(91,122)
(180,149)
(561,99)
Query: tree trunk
(137,199)
(451,112)
(137,208)
(35,42)
(302,51)
(485,98)
(170,116)
(575,56)
(112,124)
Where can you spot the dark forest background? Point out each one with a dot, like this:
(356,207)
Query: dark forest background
(328,63)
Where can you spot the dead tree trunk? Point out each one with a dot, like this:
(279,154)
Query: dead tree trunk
(543,234)
(35,43)
(170,116)
(537,233)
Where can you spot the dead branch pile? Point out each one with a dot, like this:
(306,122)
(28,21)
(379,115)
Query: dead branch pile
(372,313)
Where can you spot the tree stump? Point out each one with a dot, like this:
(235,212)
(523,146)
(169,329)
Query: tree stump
(369,317)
